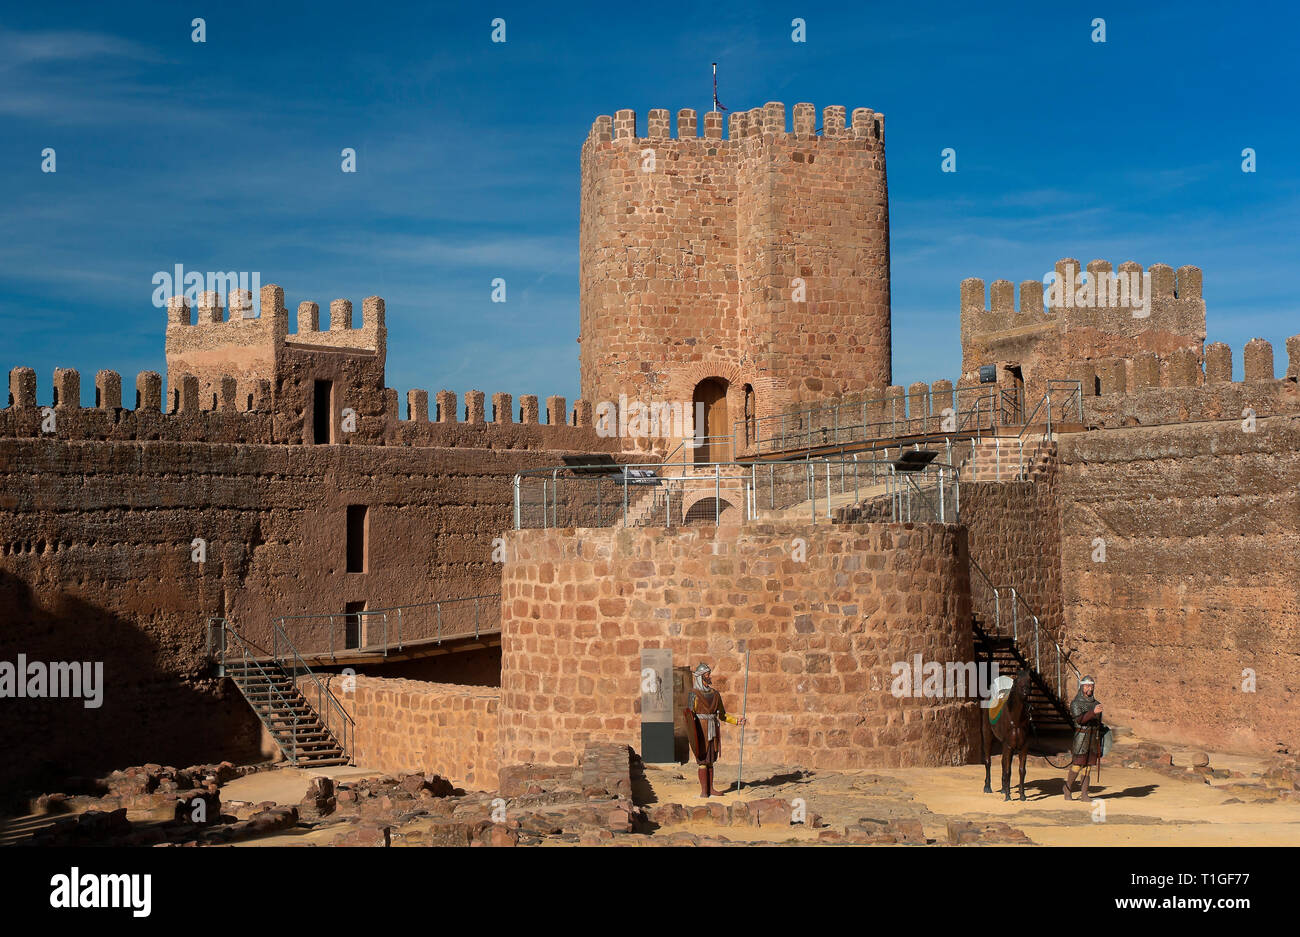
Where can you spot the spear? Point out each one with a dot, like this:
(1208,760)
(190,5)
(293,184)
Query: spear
(744,711)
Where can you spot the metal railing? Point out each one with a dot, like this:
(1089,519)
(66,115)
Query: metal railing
(282,661)
(327,705)
(971,410)
(1069,392)
(654,494)
(694,444)
(1007,614)
(381,631)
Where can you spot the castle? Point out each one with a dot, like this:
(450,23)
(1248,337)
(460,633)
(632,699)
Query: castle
(1152,528)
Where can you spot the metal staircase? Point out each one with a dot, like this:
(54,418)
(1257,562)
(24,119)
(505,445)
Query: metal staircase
(1049,712)
(1008,633)
(273,684)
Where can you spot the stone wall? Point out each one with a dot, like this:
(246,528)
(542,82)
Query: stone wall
(1200,579)
(579,605)
(96,564)
(1014,530)
(410,726)
(1098,329)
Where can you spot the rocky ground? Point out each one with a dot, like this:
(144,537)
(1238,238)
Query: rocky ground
(1147,794)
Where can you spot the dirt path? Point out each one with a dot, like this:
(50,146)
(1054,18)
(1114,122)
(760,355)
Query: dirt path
(1132,806)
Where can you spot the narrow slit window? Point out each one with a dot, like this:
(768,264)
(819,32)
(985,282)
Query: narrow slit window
(323,424)
(358,538)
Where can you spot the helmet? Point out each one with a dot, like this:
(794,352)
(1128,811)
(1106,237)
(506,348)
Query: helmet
(1087,680)
(703,668)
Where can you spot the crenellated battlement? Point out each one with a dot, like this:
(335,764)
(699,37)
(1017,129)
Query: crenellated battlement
(235,325)
(182,411)
(1080,314)
(1151,388)
(1184,368)
(768,121)
(1096,285)
(494,425)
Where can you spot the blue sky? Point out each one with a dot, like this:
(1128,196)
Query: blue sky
(225,155)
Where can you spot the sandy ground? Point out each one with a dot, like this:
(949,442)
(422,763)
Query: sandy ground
(1132,806)
(1138,806)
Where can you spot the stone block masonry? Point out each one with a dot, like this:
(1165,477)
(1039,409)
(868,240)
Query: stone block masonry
(413,726)
(690,248)
(579,605)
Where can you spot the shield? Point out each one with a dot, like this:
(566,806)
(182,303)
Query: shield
(695,736)
(1107,740)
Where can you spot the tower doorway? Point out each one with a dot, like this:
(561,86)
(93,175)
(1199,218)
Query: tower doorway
(710,401)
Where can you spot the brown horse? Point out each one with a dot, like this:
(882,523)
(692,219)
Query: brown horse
(1012,730)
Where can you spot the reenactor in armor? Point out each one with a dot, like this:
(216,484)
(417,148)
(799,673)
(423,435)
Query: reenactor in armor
(704,713)
(1085,710)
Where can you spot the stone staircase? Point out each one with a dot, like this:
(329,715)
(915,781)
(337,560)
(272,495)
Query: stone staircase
(1007,459)
(803,510)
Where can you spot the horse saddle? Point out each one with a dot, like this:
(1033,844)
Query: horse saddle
(999,693)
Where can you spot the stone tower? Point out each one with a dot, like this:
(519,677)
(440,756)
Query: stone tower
(746,274)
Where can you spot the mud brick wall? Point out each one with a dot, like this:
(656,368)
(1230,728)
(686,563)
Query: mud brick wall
(688,266)
(1201,578)
(95,564)
(579,605)
(410,726)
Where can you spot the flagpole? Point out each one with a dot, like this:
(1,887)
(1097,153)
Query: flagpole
(744,711)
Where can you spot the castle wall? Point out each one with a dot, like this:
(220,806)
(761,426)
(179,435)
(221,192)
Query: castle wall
(411,726)
(1086,328)
(688,269)
(578,607)
(1014,531)
(95,563)
(1201,578)
(1175,389)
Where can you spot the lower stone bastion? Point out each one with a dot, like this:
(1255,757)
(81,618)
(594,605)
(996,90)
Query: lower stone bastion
(824,613)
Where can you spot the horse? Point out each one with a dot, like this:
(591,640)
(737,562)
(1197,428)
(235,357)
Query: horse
(1009,722)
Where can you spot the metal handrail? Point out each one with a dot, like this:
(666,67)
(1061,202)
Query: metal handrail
(859,417)
(1047,400)
(246,659)
(385,646)
(322,691)
(1014,602)
(656,492)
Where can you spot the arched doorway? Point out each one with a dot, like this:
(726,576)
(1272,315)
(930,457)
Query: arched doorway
(710,401)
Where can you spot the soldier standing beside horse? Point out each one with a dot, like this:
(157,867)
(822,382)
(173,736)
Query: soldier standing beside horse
(1085,710)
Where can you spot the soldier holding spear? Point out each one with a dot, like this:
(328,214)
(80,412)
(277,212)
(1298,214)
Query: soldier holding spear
(704,713)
